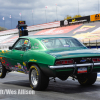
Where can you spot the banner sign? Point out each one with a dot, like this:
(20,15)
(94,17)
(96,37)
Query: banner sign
(63,22)
(79,20)
(95,17)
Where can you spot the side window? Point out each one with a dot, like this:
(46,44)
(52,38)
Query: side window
(27,45)
(23,45)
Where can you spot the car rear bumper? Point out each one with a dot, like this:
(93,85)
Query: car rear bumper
(74,65)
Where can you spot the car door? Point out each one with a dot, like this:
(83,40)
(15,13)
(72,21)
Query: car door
(15,57)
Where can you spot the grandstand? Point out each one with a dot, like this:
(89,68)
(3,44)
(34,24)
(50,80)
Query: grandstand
(87,32)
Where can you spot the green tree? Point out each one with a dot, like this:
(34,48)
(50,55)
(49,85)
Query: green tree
(76,16)
(68,17)
(2,29)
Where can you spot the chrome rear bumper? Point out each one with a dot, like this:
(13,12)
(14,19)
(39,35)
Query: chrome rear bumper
(74,65)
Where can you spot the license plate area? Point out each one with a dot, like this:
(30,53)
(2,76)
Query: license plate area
(82,70)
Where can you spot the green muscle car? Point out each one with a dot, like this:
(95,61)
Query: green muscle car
(46,57)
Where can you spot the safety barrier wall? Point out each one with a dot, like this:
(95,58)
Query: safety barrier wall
(90,18)
(33,28)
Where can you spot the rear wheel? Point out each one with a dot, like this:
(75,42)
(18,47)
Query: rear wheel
(38,81)
(87,79)
(2,71)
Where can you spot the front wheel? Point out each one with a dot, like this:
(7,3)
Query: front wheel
(2,71)
(87,79)
(38,81)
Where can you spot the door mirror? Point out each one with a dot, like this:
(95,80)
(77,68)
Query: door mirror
(10,48)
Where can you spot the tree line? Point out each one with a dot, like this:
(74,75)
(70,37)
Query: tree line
(2,28)
(70,17)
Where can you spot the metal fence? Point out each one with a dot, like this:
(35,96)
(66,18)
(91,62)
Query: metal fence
(92,44)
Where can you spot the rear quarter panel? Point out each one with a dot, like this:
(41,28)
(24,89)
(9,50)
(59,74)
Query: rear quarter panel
(41,59)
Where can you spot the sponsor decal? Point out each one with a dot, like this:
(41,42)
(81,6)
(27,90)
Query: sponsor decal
(66,45)
(21,68)
(83,60)
(33,60)
(24,63)
(16,66)
(79,20)
(24,67)
(19,65)
(4,51)
(36,45)
(83,28)
(95,17)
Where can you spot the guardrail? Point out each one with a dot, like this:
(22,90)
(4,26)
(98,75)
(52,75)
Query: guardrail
(91,45)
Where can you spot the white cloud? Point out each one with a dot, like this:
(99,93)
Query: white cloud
(64,7)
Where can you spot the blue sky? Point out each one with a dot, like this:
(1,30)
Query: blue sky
(40,13)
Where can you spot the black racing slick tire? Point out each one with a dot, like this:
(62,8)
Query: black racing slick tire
(2,71)
(38,81)
(87,80)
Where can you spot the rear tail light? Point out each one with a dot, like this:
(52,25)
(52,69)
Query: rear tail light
(58,62)
(96,59)
(62,62)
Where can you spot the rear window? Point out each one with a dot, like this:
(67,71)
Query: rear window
(61,42)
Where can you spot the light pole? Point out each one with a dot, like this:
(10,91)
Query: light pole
(78,7)
(4,21)
(45,13)
(56,13)
(20,15)
(11,21)
(98,6)
(32,17)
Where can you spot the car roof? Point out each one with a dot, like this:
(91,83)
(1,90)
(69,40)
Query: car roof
(45,36)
